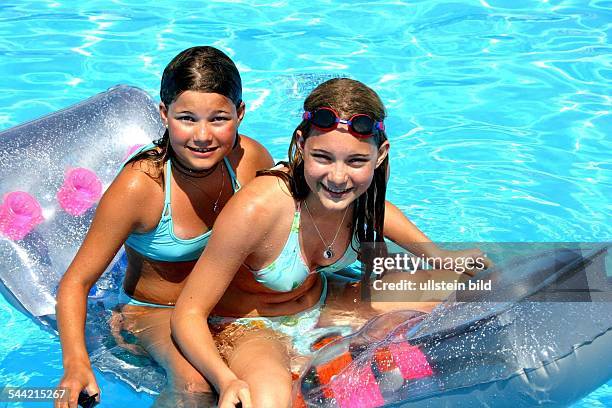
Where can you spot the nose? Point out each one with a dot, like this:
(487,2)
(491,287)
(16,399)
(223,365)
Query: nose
(338,174)
(201,133)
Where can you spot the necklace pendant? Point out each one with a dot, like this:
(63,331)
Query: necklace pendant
(328,253)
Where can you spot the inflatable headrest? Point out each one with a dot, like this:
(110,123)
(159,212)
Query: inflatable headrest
(60,164)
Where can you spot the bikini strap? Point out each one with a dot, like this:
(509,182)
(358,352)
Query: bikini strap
(167,212)
(295,225)
(235,183)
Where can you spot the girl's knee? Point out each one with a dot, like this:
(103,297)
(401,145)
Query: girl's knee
(262,360)
(270,388)
(271,400)
(271,395)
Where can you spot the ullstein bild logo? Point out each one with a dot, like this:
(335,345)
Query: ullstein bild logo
(488,272)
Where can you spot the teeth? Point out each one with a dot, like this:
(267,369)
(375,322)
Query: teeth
(196,149)
(333,190)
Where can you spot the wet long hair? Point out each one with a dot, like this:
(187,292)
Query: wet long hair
(201,69)
(347,97)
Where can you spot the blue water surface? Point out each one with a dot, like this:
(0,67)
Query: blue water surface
(498,111)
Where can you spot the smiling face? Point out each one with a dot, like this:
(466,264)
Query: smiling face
(202,127)
(338,167)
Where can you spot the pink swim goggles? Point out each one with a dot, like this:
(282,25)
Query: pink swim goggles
(360,125)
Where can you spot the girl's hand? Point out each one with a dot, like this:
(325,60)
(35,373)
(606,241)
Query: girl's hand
(76,378)
(236,391)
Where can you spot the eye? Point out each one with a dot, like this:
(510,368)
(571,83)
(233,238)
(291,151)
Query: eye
(186,118)
(321,157)
(358,161)
(220,118)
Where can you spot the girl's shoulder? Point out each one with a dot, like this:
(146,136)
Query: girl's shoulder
(139,180)
(134,194)
(250,155)
(251,145)
(265,196)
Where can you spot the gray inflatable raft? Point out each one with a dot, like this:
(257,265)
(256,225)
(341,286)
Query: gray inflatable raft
(95,134)
(541,337)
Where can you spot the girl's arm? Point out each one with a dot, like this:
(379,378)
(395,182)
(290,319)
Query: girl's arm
(240,227)
(399,229)
(116,216)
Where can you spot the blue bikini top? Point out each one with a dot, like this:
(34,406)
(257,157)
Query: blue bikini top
(289,270)
(161,244)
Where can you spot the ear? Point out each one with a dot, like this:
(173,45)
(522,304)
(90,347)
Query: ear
(383,152)
(163,113)
(241,110)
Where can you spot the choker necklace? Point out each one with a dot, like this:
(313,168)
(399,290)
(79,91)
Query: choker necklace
(327,252)
(216,203)
(191,172)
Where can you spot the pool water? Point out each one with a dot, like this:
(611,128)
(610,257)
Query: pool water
(498,111)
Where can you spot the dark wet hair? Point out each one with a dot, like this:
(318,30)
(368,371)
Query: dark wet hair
(347,97)
(202,69)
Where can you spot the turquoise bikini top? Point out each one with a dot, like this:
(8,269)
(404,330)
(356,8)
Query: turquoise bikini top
(289,270)
(161,244)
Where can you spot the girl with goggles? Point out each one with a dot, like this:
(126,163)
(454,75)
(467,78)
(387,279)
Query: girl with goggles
(264,268)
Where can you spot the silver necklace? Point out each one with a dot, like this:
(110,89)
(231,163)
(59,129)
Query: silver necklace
(328,251)
(216,203)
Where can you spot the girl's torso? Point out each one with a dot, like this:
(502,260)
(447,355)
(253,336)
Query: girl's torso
(281,276)
(180,214)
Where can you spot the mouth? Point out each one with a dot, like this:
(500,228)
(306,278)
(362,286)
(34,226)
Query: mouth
(201,149)
(336,192)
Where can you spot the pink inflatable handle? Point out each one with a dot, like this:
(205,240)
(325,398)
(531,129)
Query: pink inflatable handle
(411,361)
(19,214)
(81,189)
(356,387)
